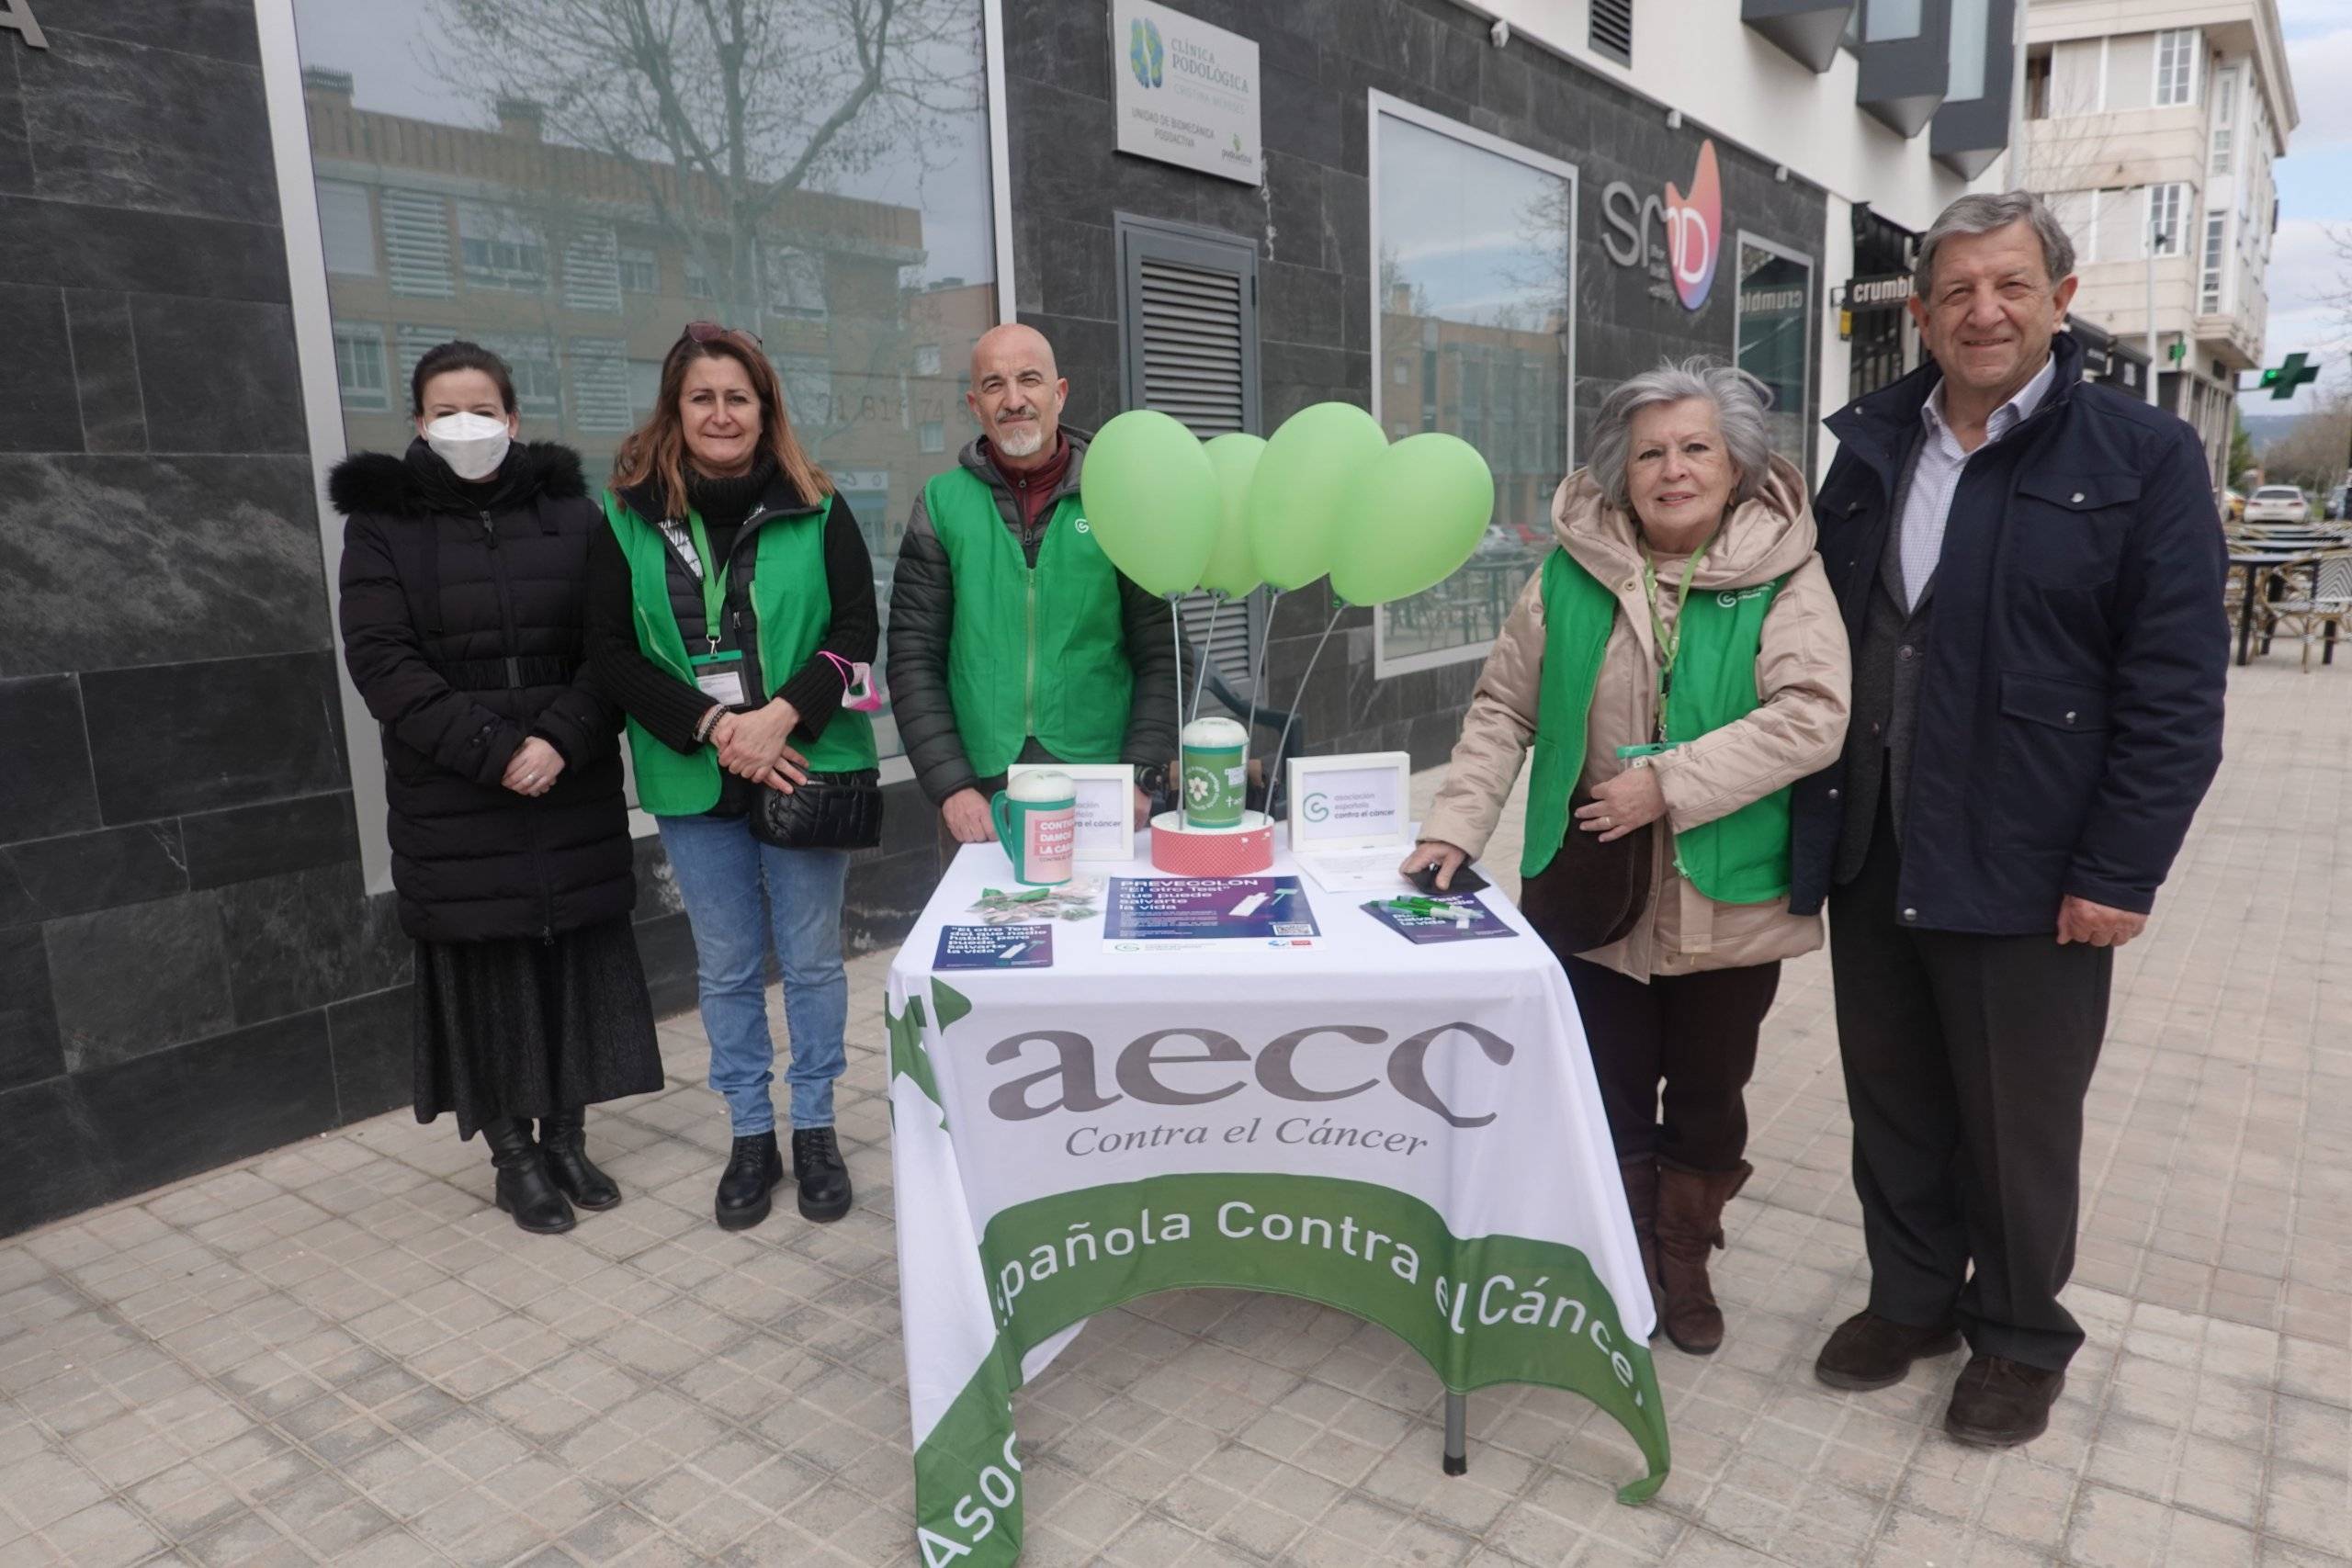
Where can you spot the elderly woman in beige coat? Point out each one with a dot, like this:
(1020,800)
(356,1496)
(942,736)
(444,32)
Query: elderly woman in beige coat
(1679,661)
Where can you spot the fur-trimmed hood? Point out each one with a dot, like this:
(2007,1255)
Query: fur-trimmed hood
(418,484)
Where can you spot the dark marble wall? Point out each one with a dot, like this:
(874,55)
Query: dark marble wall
(190,968)
(1311,221)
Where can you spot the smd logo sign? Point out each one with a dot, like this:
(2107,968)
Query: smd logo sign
(1691,227)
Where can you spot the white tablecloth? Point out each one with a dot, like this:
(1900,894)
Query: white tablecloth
(1411,1133)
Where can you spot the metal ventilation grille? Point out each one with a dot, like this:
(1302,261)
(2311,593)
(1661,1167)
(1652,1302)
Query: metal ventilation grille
(1612,30)
(1192,346)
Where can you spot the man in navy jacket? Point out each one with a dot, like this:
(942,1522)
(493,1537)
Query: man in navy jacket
(2030,569)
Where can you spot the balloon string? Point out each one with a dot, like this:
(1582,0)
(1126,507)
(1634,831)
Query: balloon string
(1256,683)
(1338,606)
(1201,684)
(1176,639)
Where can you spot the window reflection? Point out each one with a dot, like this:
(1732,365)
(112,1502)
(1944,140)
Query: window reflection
(835,202)
(1776,338)
(1475,267)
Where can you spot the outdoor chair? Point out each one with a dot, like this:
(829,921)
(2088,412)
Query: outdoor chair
(2313,612)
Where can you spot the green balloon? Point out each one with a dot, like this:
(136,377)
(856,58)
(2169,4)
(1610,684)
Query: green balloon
(1297,495)
(1151,499)
(1232,569)
(1413,517)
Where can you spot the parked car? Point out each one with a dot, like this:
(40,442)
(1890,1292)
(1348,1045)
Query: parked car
(2277,504)
(2234,504)
(2339,503)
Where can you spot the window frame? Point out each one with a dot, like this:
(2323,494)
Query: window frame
(372,334)
(1377,105)
(2185,65)
(2175,202)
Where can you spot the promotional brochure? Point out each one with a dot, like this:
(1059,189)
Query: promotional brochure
(995,947)
(1425,920)
(1208,908)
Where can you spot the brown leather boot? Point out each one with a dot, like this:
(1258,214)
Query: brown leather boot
(1689,1223)
(1640,1175)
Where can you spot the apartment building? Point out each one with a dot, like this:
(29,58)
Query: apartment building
(2153,125)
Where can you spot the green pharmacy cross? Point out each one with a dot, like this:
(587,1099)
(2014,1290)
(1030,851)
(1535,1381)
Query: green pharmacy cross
(2282,380)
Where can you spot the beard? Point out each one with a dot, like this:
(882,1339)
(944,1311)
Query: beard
(1021,440)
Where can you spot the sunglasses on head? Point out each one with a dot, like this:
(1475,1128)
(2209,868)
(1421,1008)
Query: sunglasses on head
(711,331)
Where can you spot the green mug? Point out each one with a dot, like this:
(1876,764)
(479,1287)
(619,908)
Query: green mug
(1214,772)
(1036,821)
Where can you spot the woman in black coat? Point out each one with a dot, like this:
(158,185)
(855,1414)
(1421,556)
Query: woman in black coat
(463,565)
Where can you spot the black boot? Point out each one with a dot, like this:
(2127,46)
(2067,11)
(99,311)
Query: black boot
(525,1189)
(816,1166)
(755,1165)
(563,1143)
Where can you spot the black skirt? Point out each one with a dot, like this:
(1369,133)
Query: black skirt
(526,1028)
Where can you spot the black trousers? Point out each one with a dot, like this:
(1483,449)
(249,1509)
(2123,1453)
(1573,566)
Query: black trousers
(1695,1034)
(1967,1059)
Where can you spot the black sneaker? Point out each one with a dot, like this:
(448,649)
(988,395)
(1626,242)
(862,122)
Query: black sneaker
(755,1169)
(817,1167)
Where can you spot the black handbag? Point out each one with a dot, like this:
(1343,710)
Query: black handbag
(1592,894)
(828,811)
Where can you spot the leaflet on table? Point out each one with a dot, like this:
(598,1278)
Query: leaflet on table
(1357,871)
(994,947)
(1446,919)
(1208,908)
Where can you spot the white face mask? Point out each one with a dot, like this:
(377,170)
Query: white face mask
(473,444)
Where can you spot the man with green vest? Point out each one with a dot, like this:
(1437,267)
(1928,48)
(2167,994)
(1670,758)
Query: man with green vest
(1676,665)
(1012,638)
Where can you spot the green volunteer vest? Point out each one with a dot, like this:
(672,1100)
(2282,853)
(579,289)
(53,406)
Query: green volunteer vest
(1742,858)
(792,607)
(1041,652)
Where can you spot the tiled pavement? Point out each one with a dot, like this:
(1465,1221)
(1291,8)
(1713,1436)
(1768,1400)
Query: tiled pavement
(338,1353)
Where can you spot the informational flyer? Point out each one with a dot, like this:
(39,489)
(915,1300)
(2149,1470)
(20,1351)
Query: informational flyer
(1446,919)
(1208,908)
(995,947)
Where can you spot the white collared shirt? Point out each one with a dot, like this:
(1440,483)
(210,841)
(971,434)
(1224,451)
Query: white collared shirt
(1935,475)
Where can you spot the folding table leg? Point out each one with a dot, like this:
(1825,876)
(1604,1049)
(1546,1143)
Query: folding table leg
(1457,1421)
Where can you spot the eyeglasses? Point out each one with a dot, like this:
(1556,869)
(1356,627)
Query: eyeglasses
(711,331)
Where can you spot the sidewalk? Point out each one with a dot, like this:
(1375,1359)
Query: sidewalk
(340,1353)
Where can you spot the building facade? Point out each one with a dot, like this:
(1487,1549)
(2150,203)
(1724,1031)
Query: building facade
(228,230)
(2152,127)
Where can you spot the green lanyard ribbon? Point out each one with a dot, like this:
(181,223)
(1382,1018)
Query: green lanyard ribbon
(1670,640)
(714,595)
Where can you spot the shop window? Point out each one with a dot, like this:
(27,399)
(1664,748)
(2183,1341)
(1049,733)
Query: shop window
(359,371)
(1472,255)
(576,263)
(1774,332)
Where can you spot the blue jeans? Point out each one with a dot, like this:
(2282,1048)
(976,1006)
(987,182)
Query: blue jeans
(740,894)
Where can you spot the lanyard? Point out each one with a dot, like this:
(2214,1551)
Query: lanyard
(1670,640)
(714,591)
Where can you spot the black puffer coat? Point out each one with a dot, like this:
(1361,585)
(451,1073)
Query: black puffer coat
(461,627)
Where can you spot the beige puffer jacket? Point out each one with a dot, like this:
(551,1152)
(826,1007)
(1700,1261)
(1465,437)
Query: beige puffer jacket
(1802,675)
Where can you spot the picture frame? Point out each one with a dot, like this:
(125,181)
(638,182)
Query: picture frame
(1106,806)
(1361,801)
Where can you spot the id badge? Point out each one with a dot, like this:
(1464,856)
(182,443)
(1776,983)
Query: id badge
(721,679)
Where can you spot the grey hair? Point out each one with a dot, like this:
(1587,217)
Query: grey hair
(1983,214)
(1740,400)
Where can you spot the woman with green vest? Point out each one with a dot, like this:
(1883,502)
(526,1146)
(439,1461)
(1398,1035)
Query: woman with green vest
(1677,664)
(732,614)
